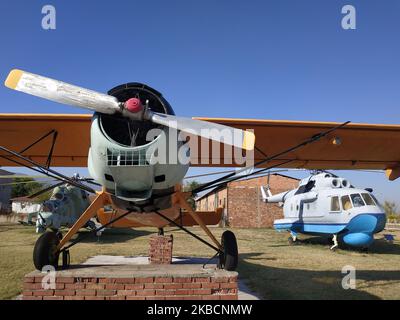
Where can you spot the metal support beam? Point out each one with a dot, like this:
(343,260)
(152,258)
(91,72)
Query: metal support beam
(101,199)
(218,250)
(181,200)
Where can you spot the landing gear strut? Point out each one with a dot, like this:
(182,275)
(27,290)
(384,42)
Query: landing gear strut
(293,238)
(228,257)
(335,243)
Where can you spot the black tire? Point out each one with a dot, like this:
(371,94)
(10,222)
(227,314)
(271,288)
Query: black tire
(66,259)
(229,257)
(291,241)
(45,250)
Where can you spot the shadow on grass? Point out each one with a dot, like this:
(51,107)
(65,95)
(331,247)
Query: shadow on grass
(281,283)
(112,235)
(379,246)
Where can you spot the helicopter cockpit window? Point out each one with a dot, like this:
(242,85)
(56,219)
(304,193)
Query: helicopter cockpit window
(306,187)
(368,199)
(357,200)
(335,205)
(59,196)
(346,203)
(375,199)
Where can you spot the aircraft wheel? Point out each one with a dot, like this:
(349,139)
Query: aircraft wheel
(45,250)
(66,259)
(229,256)
(91,225)
(292,242)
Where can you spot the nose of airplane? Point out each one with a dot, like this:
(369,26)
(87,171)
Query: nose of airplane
(361,229)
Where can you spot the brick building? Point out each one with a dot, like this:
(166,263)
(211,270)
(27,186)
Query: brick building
(242,201)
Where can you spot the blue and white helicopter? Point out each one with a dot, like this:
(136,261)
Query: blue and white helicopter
(325,204)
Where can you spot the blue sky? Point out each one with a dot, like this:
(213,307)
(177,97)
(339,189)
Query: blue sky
(246,59)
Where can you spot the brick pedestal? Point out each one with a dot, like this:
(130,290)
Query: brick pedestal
(160,251)
(134,282)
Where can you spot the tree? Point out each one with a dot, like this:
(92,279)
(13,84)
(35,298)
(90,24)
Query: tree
(24,187)
(189,186)
(391,210)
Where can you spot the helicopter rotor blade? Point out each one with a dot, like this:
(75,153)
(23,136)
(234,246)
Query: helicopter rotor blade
(21,176)
(91,181)
(38,193)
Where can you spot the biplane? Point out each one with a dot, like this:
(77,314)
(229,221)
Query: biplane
(113,143)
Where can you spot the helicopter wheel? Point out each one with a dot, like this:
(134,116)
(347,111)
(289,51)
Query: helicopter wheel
(229,256)
(45,251)
(291,241)
(365,250)
(66,259)
(91,225)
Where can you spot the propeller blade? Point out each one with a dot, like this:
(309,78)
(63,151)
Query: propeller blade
(216,132)
(69,94)
(22,182)
(61,92)
(90,181)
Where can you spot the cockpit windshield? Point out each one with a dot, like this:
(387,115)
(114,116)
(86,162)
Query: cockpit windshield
(369,201)
(357,200)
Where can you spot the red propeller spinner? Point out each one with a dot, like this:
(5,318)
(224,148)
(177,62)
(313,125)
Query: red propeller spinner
(134,105)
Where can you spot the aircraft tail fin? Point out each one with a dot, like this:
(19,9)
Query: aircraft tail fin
(265,193)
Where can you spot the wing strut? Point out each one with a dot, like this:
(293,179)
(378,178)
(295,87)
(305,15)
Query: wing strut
(235,175)
(33,165)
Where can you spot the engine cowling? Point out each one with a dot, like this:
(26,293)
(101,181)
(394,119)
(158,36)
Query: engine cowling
(130,158)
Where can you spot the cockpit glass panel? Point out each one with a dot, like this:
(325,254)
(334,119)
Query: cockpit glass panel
(357,200)
(368,199)
(59,196)
(375,199)
(346,203)
(335,205)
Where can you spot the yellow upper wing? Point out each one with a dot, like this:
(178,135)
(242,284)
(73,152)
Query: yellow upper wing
(18,131)
(355,146)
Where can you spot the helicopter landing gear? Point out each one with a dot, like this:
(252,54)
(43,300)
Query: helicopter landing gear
(66,259)
(45,252)
(335,243)
(293,238)
(91,225)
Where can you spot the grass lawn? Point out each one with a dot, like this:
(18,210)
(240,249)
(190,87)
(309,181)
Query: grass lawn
(268,264)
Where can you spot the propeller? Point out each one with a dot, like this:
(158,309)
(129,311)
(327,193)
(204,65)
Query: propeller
(69,94)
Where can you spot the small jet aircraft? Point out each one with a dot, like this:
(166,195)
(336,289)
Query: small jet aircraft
(113,143)
(325,204)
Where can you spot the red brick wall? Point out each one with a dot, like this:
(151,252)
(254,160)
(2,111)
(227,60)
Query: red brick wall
(140,288)
(160,250)
(245,206)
